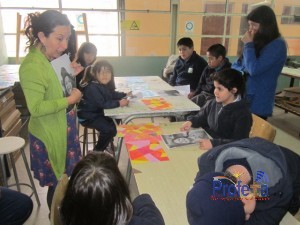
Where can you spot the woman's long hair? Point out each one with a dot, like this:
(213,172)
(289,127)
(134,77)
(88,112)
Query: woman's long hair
(97,193)
(86,47)
(268,29)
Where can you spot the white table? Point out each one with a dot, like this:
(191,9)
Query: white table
(168,182)
(137,109)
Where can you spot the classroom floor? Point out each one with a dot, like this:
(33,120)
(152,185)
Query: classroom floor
(288,131)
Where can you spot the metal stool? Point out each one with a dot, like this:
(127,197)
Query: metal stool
(8,145)
(85,136)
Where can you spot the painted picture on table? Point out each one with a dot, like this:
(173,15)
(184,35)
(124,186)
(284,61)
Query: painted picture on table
(184,138)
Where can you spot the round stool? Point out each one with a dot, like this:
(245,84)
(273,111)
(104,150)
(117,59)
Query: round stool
(9,145)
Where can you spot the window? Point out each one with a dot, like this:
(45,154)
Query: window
(149,27)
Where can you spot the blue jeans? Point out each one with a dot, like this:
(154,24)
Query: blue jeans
(15,207)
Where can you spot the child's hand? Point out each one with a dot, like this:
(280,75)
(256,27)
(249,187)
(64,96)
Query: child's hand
(74,97)
(129,94)
(248,37)
(76,67)
(205,144)
(186,126)
(123,102)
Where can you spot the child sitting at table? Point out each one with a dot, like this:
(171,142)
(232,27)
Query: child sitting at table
(98,194)
(98,88)
(188,67)
(227,117)
(217,61)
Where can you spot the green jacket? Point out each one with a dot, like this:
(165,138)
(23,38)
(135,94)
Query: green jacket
(47,106)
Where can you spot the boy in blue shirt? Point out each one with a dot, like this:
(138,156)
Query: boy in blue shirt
(189,65)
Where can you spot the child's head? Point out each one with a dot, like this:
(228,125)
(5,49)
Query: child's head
(102,72)
(96,193)
(86,54)
(185,47)
(228,83)
(215,55)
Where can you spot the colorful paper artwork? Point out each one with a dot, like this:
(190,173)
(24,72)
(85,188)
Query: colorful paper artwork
(143,142)
(157,103)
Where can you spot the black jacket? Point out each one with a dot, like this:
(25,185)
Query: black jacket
(188,72)
(224,124)
(145,212)
(96,98)
(206,83)
(281,166)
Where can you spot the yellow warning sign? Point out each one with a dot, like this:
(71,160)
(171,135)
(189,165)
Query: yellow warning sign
(130,25)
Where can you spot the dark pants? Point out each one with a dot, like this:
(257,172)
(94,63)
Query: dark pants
(15,207)
(106,128)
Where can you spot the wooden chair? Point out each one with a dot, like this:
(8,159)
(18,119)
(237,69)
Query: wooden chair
(262,128)
(58,196)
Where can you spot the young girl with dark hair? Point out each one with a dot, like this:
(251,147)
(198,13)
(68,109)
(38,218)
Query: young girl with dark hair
(97,194)
(263,58)
(86,56)
(99,93)
(227,117)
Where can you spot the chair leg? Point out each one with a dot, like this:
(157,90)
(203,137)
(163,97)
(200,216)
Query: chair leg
(94,137)
(84,141)
(113,148)
(4,177)
(30,177)
(15,171)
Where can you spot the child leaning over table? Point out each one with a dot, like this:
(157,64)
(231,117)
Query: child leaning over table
(227,117)
(98,88)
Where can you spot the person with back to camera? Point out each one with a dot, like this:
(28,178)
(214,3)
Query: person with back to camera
(216,58)
(97,194)
(263,58)
(86,56)
(258,168)
(227,117)
(189,66)
(53,135)
(99,93)
(204,208)
(15,207)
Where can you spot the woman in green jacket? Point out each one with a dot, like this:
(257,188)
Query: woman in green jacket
(53,136)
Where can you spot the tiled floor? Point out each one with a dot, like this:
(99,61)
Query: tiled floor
(288,130)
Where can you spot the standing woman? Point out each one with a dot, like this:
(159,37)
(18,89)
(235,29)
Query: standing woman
(263,58)
(53,138)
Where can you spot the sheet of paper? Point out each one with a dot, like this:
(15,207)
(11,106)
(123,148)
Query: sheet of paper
(64,72)
(184,138)
(183,89)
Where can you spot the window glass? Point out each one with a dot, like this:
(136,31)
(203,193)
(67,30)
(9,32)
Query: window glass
(90,4)
(106,45)
(98,22)
(30,3)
